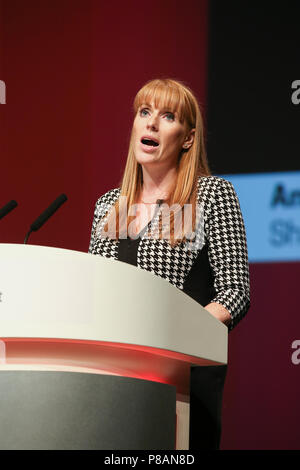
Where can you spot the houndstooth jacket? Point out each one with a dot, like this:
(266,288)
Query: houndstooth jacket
(223,237)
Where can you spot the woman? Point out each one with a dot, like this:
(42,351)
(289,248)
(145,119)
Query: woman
(167,168)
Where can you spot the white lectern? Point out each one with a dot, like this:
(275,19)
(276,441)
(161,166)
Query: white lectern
(70,319)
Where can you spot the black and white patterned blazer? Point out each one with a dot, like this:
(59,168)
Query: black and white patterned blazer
(224,239)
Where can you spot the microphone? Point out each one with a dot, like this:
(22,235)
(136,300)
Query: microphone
(37,224)
(7,208)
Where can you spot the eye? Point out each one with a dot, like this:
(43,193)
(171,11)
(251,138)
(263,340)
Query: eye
(170,116)
(143,112)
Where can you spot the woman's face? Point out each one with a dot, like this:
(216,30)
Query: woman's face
(158,136)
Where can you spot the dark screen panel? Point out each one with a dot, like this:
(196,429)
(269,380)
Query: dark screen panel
(253,122)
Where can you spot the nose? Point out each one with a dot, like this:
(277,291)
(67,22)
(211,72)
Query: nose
(152,122)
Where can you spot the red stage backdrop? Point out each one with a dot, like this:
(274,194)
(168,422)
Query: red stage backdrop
(72,69)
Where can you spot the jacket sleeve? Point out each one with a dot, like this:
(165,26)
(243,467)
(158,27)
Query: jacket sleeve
(96,219)
(227,251)
(103,205)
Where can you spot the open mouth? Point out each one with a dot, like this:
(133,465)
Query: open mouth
(150,142)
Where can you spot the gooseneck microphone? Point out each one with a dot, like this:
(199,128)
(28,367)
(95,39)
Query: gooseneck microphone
(7,208)
(37,224)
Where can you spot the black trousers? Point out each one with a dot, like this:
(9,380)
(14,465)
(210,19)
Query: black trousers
(206,395)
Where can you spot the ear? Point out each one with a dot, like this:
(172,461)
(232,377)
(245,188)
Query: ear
(188,141)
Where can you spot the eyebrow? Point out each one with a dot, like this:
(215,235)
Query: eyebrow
(165,109)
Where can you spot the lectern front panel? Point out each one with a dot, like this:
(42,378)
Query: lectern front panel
(69,410)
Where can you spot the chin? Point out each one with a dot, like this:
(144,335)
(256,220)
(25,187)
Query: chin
(145,162)
(144,159)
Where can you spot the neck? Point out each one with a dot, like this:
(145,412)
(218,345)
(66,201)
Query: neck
(157,184)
